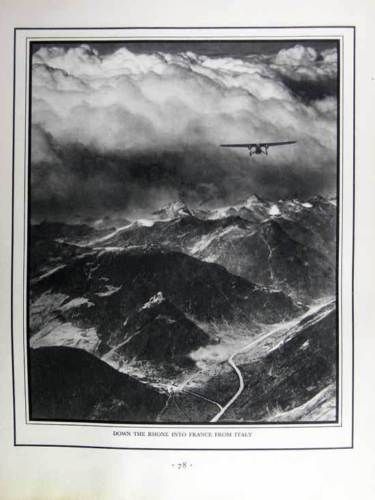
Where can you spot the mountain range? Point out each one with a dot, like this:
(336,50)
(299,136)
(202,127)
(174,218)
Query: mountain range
(166,299)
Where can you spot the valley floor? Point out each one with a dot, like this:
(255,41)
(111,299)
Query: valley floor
(321,406)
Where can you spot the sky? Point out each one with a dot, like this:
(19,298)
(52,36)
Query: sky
(129,127)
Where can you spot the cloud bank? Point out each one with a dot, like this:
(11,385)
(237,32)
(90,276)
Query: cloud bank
(126,131)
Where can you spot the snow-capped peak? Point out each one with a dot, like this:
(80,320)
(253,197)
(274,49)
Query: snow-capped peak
(173,210)
(155,300)
(274,210)
(251,200)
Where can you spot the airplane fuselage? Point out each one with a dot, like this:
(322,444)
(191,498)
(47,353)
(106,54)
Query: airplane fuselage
(258,149)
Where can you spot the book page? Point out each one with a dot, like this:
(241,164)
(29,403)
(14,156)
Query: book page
(180,250)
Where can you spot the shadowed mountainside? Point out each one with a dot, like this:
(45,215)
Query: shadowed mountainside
(70,384)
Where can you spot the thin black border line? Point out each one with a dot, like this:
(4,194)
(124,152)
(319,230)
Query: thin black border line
(265,422)
(186,449)
(338,122)
(27,223)
(319,448)
(140,425)
(227,425)
(354,218)
(26,208)
(340,217)
(143,448)
(193,425)
(182,27)
(339,204)
(353,240)
(176,39)
(180,425)
(12,249)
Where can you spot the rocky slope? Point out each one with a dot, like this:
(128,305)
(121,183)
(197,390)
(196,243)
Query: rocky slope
(158,331)
(288,245)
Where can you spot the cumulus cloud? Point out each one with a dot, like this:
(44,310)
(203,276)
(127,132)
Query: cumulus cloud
(129,131)
(302,62)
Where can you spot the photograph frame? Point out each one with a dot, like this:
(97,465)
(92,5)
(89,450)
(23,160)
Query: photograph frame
(23,436)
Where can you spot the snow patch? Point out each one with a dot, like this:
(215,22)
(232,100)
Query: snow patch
(80,301)
(307,205)
(110,235)
(173,210)
(274,210)
(48,301)
(219,213)
(45,275)
(104,250)
(206,240)
(155,300)
(65,334)
(146,222)
(305,345)
(110,290)
(252,200)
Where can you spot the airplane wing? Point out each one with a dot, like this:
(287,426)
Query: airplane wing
(237,145)
(277,143)
(249,144)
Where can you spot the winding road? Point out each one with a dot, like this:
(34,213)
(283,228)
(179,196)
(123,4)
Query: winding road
(317,313)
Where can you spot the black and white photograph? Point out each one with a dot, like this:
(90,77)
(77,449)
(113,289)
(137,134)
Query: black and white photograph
(182,231)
